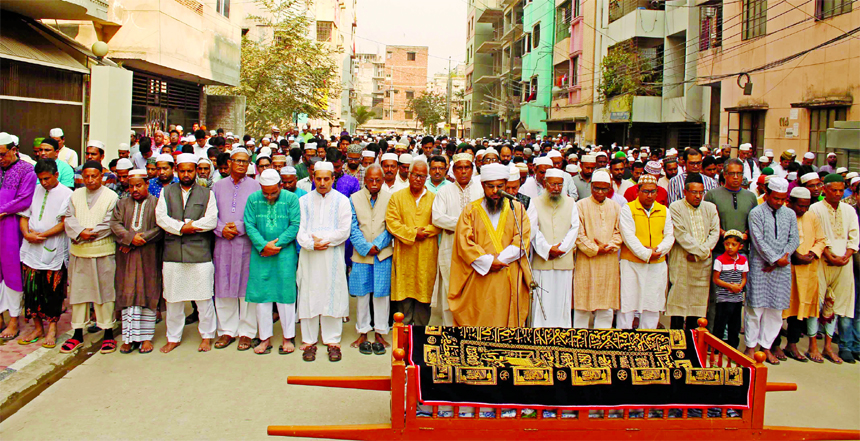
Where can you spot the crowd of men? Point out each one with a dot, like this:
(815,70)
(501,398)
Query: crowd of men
(288,229)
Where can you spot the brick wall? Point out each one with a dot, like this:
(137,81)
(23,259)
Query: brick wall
(405,76)
(225,112)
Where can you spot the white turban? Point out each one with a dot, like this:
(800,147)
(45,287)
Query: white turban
(553,154)
(288,170)
(124,164)
(601,176)
(777,184)
(495,172)
(185,158)
(269,177)
(543,160)
(367,154)
(138,173)
(324,165)
(388,157)
(808,177)
(554,173)
(164,157)
(800,193)
(56,133)
(405,158)
(238,150)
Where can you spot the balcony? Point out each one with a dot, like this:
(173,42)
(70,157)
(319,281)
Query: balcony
(85,10)
(489,47)
(506,3)
(513,32)
(488,79)
(490,15)
(620,8)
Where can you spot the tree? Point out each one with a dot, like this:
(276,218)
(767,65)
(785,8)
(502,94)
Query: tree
(285,73)
(362,115)
(429,109)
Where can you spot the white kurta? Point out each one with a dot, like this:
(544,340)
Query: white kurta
(321,274)
(187,281)
(447,207)
(556,294)
(44,213)
(841,231)
(643,285)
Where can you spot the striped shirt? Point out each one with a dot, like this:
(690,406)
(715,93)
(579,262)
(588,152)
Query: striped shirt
(676,186)
(731,271)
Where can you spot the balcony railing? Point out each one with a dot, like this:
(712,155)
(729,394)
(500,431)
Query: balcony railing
(620,8)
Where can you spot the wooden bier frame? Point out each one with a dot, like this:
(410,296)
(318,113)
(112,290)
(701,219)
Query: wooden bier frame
(406,425)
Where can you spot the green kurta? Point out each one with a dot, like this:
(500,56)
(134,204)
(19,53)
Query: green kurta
(273,278)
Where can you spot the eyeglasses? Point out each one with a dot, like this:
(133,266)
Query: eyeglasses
(599,190)
(648,192)
(417,176)
(734,174)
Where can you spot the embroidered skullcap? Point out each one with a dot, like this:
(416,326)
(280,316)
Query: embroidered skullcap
(388,157)
(514,175)
(311,146)
(589,159)
(809,155)
(288,170)
(56,133)
(841,170)
(786,155)
(543,160)
(554,173)
(138,173)
(354,148)
(462,157)
(324,165)
(808,177)
(800,193)
(238,150)
(601,176)
(165,157)
(124,164)
(367,154)
(734,233)
(647,179)
(405,158)
(553,154)
(98,166)
(653,167)
(495,172)
(269,177)
(572,168)
(778,184)
(833,177)
(185,158)
(279,158)
(123,147)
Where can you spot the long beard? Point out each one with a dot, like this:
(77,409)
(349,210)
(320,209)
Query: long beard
(494,205)
(555,198)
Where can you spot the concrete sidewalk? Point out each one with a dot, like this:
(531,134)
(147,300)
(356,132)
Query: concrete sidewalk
(231,395)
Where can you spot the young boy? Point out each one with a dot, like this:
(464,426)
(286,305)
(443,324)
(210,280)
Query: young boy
(730,276)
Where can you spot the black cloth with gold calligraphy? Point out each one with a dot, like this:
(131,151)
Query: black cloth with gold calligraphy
(569,367)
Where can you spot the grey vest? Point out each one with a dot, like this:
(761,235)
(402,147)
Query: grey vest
(188,248)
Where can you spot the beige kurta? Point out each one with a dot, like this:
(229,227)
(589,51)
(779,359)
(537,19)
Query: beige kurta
(696,232)
(841,230)
(91,279)
(597,279)
(447,207)
(499,298)
(413,269)
(804,278)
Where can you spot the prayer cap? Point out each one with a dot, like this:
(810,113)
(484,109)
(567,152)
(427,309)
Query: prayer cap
(786,155)
(123,147)
(527,151)
(252,170)
(851,175)
(842,170)
(164,157)
(778,184)
(405,158)
(354,148)
(265,151)
(653,168)
(763,159)
(279,158)
(514,175)
(601,176)
(275,129)
(543,160)
(324,165)
(206,160)
(367,154)
(554,173)
(491,151)
(791,176)
(792,152)
(767,171)
(833,177)
(495,172)
(388,157)
(481,152)
(5,138)
(311,146)
(553,154)
(589,159)
(288,170)
(238,150)
(619,155)
(404,140)
(521,166)
(213,133)
(138,173)
(734,233)
(97,144)
(855,180)
(808,177)
(124,164)
(57,132)
(572,168)
(800,193)
(572,156)
(768,153)
(703,149)
(831,154)
(269,177)
(647,179)
(179,129)
(151,160)
(600,154)
(462,157)
(809,155)
(671,152)
(694,178)
(229,135)
(250,143)
(185,158)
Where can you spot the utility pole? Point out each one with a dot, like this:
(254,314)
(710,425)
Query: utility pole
(449,87)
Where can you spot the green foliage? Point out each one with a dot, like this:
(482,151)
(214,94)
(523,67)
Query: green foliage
(429,108)
(286,72)
(626,73)
(362,115)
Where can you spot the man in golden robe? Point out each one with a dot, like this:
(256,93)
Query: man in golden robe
(489,273)
(409,219)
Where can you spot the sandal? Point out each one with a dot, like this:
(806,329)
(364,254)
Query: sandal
(267,351)
(28,342)
(334,353)
(309,353)
(814,360)
(141,351)
(108,346)
(796,356)
(131,348)
(220,345)
(70,345)
(254,343)
(11,337)
(830,358)
(378,348)
(281,350)
(365,348)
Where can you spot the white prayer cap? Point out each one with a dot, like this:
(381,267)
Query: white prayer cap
(572,168)
(527,151)
(388,157)
(179,128)
(5,138)
(854,180)
(275,129)
(553,154)
(185,158)
(229,135)
(206,160)
(572,156)
(791,176)
(238,150)
(791,151)
(138,173)
(279,158)
(56,133)
(768,153)
(554,173)
(124,164)
(291,138)
(543,160)
(522,167)
(481,152)
(491,151)
(703,148)
(495,172)
(514,175)
(288,170)
(404,140)
(808,177)
(250,143)
(851,175)
(324,165)
(777,184)
(809,155)
(269,177)
(671,152)
(164,157)
(800,193)
(841,170)
(763,159)
(601,176)
(252,170)
(831,154)
(600,154)
(123,147)
(367,154)
(97,144)
(236,146)
(265,151)
(311,146)
(405,158)
(213,133)
(589,159)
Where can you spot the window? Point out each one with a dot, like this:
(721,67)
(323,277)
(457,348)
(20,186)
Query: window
(408,114)
(754,18)
(223,7)
(748,127)
(410,94)
(410,56)
(821,119)
(324,29)
(576,9)
(711,27)
(388,94)
(527,43)
(574,71)
(562,21)
(388,55)
(825,9)
(536,36)
(387,113)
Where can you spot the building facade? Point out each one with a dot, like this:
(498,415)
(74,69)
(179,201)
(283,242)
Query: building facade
(405,78)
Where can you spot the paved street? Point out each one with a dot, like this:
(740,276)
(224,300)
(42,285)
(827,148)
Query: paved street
(234,395)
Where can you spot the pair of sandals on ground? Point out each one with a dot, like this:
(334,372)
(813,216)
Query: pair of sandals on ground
(261,347)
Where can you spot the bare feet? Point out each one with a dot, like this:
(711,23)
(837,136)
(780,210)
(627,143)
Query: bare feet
(381,339)
(223,341)
(777,352)
(749,352)
(11,330)
(361,339)
(792,351)
(205,345)
(829,354)
(813,352)
(265,344)
(288,346)
(244,343)
(35,333)
(125,348)
(146,347)
(770,357)
(169,347)
(51,338)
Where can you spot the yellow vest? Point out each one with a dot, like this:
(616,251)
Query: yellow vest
(649,229)
(89,218)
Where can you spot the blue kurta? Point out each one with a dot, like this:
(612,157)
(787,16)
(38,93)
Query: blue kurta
(273,278)
(773,235)
(366,278)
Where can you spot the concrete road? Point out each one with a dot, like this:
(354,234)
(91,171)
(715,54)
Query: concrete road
(231,395)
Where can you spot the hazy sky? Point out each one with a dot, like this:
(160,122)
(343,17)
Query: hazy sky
(439,24)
